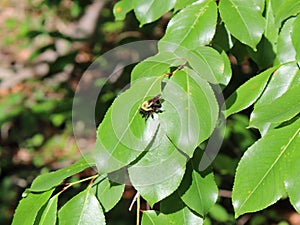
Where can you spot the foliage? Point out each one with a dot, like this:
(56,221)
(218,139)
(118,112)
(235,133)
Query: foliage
(162,154)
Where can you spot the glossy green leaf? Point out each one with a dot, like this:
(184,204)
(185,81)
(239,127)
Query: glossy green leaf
(121,8)
(49,214)
(227,73)
(191,110)
(148,11)
(284,78)
(281,109)
(123,134)
(208,63)
(29,207)
(292,181)
(287,9)
(191,27)
(295,35)
(243,20)
(180,4)
(271,31)
(260,4)
(156,65)
(159,172)
(82,209)
(285,49)
(184,216)
(248,93)
(276,5)
(202,194)
(109,194)
(262,173)
(49,180)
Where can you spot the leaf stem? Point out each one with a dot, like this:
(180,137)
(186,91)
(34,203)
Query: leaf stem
(138,207)
(77,182)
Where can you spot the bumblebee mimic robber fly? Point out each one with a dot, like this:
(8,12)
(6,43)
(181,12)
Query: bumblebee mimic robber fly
(150,107)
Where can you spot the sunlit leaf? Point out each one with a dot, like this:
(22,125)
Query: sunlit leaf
(281,109)
(248,93)
(49,180)
(156,65)
(285,10)
(295,35)
(121,8)
(264,170)
(208,63)
(243,20)
(29,206)
(191,27)
(180,4)
(148,11)
(285,49)
(159,172)
(282,80)
(82,209)
(184,216)
(123,134)
(191,110)
(226,77)
(49,214)
(202,194)
(109,193)
(271,31)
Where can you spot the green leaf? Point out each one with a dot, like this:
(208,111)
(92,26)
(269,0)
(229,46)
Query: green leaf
(49,213)
(123,134)
(148,11)
(109,194)
(159,172)
(82,209)
(281,109)
(191,27)
(285,49)
(295,35)
(191,110)
(184,216)
(243,20)
(29,207)
(271,31)
(49,180)
(287,9)
(282,80)
(260,4)
(202,194)
(121,8)
(208,63)
(292,181)
(226,77)
(156,65)
(264,56)
(219,213)
(180,4)
(248,93)
(263,172)
(222,39)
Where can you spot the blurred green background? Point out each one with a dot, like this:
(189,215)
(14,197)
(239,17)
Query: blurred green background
(45,47)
